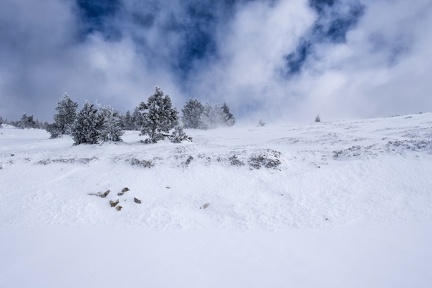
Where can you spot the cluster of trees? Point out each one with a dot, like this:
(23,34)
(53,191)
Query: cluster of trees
(25,122)
(156,118)
(199,116)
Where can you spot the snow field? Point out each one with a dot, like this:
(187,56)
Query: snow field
(340,204)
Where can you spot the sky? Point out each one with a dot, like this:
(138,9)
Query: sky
(267,59)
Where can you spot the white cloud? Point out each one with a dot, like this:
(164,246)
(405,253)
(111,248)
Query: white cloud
(383,68)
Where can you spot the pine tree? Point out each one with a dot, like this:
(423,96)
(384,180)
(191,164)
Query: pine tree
(192,112)
(1,121)
(214,116)
(64,119)
(317,118)
(158,116)
(109,124)
(127,122)
(137,119)
(26,122)
(86,125)
(208,119)
(227,117)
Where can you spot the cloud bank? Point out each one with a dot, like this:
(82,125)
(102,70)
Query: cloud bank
(276,60)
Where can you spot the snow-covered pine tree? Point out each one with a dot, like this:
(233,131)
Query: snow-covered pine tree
(208,119)
(192,114)
(26,122)
(66,115)
(137,119)
(85,127)
(317,118)
(109,124)
(227,117)
(1,121)
(158,116)
(54,130)
(127,121)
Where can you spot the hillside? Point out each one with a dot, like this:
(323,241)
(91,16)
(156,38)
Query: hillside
(338,204)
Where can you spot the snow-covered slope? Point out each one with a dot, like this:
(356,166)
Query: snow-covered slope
(283,185)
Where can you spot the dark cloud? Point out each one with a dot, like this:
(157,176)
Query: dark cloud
(96,16)
(266,59)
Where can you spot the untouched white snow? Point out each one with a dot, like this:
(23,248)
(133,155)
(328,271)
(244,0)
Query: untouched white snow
(341,204)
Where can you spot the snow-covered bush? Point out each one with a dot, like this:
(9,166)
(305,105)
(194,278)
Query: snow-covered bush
(85,129)
(267,159)
(261,123)
(192,114)
(179,135)
(64,119)
(158,116)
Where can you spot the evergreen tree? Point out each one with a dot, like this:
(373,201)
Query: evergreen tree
(66,115)
(214,116)
(26,122)
(128,122)
(64,119)
(109,124)
(192,112)
(54,130)
(1,121)
(227,117)
(317,118)
(158,116)
(137,119)
(209,118)
(86,125)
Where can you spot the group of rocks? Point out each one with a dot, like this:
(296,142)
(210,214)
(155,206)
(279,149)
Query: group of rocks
(115,203)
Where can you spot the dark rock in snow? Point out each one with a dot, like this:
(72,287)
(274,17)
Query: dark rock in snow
(136,200)
(205,206)
(114,203)
(99,194)
(105,194)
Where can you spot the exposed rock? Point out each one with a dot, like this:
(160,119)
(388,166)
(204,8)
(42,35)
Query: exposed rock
(205,206)
(105,194)
(136,200)
(114,203)
(118,208)
(124,190)
(188,161)
(100,194)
